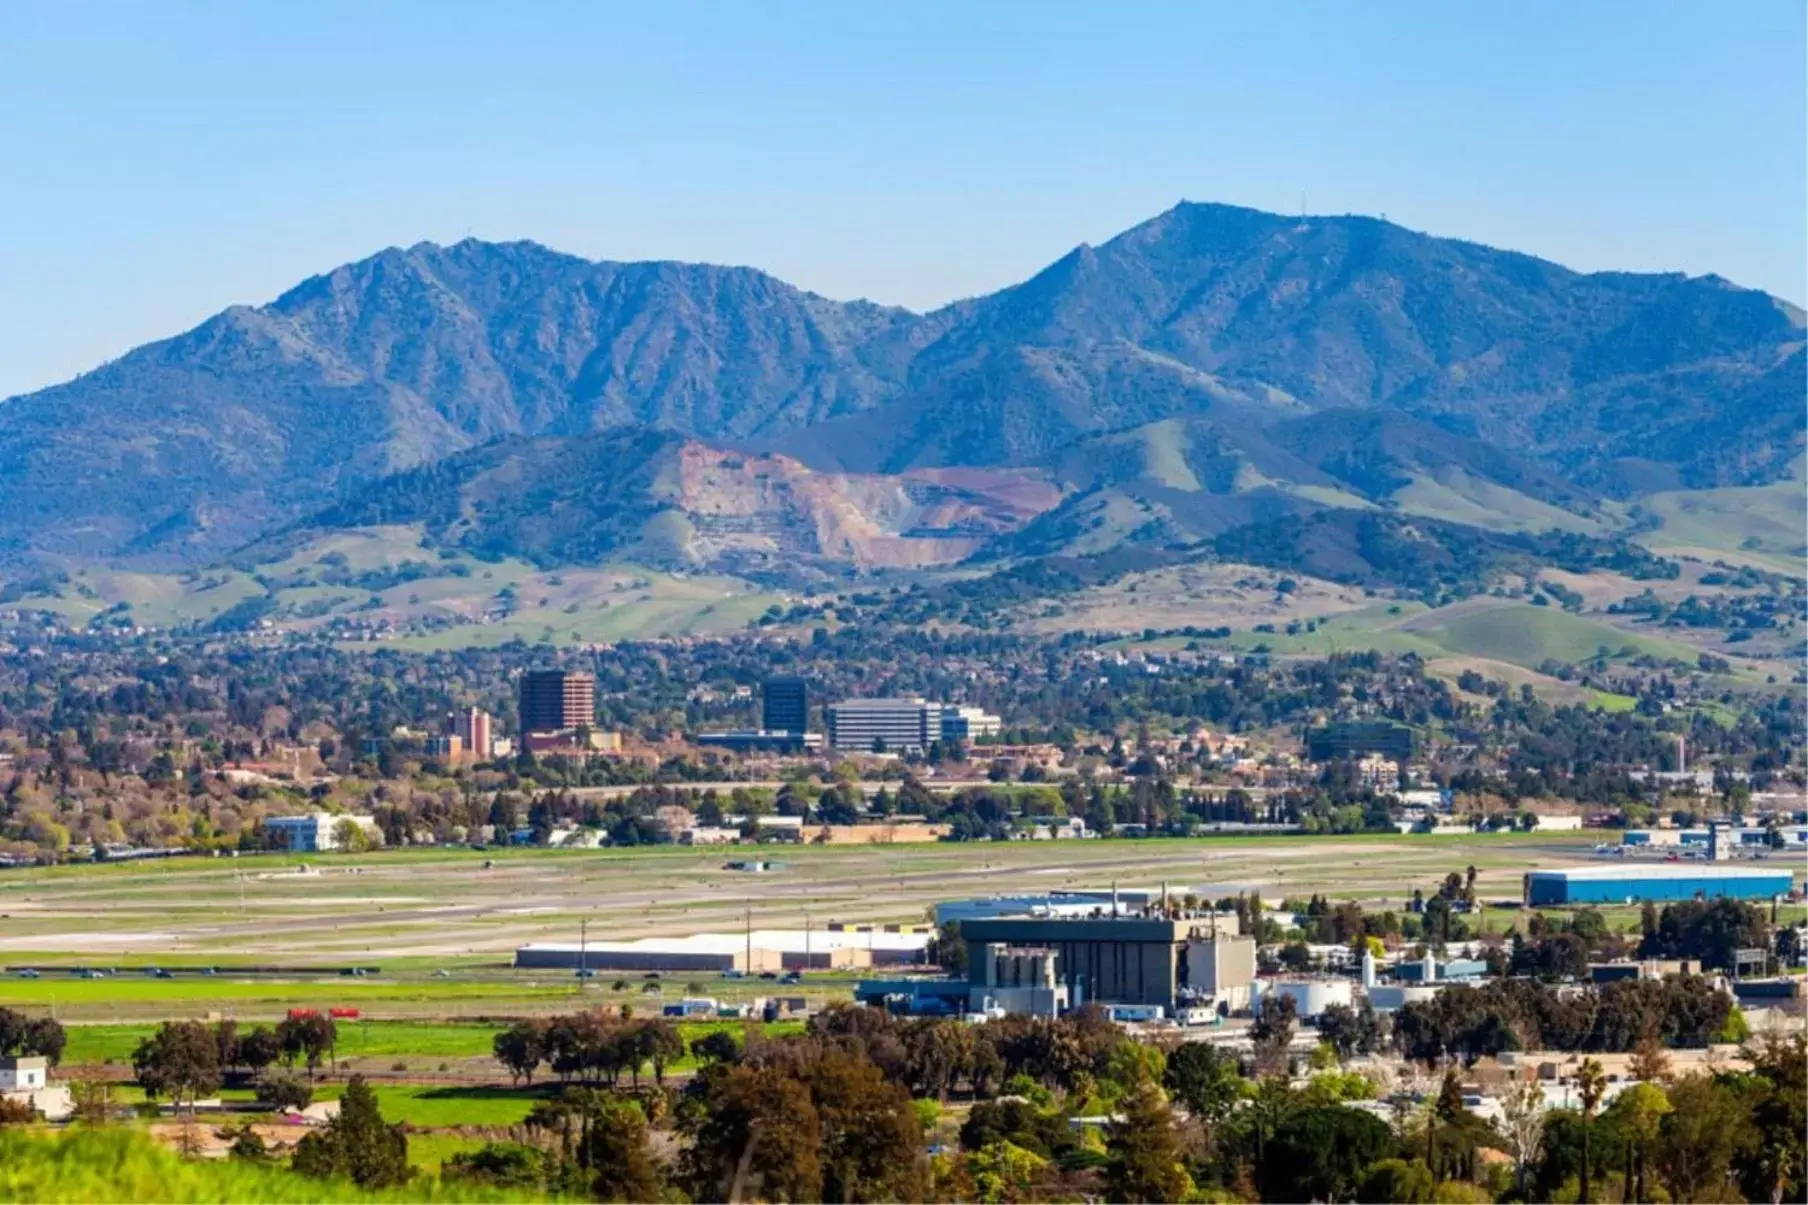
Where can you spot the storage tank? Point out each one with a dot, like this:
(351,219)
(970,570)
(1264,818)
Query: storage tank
(1311,997)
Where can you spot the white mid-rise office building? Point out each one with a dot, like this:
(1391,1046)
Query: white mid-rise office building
(884,725)
(969,723)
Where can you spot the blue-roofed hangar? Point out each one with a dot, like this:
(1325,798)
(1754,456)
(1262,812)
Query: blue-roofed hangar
(1636,884)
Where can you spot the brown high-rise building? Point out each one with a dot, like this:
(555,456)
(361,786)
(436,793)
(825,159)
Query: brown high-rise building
(557,700)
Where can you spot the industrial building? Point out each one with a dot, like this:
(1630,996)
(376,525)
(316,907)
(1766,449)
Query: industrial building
(904,725)
(1311,996)
(1020,980)
(785,705)
(557,700)
(471,728)
(836,947)
(1657,883)
(1123,960)
(1789,836)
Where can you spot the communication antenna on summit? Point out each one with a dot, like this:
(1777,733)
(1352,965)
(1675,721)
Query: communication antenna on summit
(1303,225)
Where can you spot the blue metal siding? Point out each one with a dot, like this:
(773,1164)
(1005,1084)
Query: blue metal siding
(1556,889)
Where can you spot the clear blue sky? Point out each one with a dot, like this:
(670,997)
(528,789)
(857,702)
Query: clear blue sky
(161,161)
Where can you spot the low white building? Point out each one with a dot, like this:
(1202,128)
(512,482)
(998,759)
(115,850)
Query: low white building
(1550,823)
(315,832)
(969,723)
(704,834)
(26,1080)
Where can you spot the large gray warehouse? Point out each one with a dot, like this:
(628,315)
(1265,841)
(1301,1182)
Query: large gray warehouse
(1122,960)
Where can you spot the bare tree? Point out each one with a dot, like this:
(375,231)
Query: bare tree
(1522,1121)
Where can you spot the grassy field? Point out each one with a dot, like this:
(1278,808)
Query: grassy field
(422,1044)
(1521,634)
(1510,635)
(1201,595)
(1758,525)
(416,912)
(1456,497)
(492,602)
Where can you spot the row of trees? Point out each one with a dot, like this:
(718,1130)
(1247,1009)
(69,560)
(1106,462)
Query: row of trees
(599,1045)
(1467,1022)
(187,1060)
(849,1110)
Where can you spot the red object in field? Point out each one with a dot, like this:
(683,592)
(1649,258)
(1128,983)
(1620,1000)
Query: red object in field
(302,1014)
(343,1014)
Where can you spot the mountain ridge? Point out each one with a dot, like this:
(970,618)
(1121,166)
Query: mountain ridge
(1607,384)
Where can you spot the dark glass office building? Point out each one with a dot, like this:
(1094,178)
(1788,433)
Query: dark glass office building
(556,700)
(786,705)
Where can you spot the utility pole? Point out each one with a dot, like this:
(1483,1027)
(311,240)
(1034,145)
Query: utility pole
(749,922)
(583,927)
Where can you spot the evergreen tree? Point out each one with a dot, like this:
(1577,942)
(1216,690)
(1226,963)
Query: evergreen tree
(1145,1150)
(614,1150)
(357,1145)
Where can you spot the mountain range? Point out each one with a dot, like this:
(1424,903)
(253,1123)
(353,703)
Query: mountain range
(1207,372)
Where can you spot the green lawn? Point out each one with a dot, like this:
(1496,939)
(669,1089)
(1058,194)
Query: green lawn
(428,1149)
(357,1039)
(419,1043)
(195,992)
(434,1105)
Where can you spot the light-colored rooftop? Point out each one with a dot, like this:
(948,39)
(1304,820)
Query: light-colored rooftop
(761,939)
(1669,870)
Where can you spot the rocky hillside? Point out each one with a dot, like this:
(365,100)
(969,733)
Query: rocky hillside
(660,498)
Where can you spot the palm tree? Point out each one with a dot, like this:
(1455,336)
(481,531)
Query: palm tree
(1591,1083)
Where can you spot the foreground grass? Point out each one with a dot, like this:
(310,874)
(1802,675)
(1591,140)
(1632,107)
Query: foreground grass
(118,1164)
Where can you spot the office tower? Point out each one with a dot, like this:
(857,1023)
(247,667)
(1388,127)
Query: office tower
(884,725)
(557,700)
(786,705)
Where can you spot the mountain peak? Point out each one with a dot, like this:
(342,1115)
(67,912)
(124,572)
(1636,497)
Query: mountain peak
(415,354)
